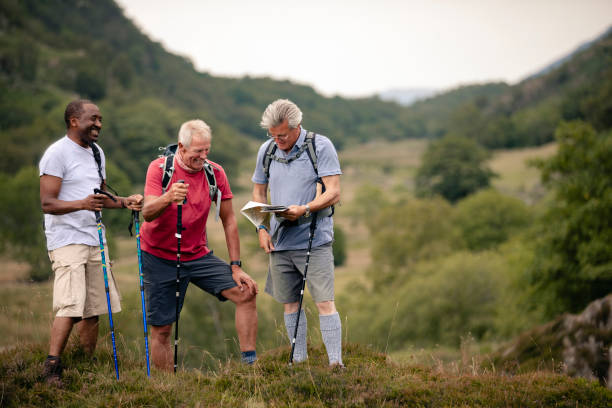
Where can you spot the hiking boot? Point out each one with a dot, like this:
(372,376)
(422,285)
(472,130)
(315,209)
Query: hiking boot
(52,371)
(337,367)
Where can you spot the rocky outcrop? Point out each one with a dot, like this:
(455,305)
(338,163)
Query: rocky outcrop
(579,345)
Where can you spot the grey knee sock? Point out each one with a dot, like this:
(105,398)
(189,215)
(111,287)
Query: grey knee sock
(300,353)
(331,331)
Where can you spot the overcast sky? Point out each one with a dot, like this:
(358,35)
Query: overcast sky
(357,48)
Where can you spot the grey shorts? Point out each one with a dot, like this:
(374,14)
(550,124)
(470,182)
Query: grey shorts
(159,275)
(286,272)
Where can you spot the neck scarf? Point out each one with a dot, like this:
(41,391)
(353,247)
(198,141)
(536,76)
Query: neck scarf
(182,165)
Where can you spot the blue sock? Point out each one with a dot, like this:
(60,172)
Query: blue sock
(249,357)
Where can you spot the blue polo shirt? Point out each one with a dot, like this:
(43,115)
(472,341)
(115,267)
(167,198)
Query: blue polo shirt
(295,183)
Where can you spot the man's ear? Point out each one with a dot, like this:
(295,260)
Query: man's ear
(74,122)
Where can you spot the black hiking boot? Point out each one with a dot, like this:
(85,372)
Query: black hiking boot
(52,371)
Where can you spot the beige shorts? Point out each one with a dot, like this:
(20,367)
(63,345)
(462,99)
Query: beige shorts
(78,289)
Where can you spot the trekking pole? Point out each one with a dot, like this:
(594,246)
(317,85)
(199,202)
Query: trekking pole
(313,226)
(98,215)
(136,217)
(179,231)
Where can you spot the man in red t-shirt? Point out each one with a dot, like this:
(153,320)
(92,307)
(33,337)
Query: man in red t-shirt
(198,264)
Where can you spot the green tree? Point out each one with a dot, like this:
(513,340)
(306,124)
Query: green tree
(453,167)
(21,231)
(339,246)
(368,200)
(488,218)
(573,260)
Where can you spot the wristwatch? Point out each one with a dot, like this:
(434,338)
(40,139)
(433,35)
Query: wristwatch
(238,262)
(307,213)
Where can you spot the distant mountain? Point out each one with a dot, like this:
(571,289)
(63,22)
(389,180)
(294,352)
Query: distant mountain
(499,115)
(555,64)
(406,96)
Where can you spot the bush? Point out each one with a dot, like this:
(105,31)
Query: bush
(21,231)
(406,233)
(339,246)
(573,261)
(453,167)
(445,299)
(489,218)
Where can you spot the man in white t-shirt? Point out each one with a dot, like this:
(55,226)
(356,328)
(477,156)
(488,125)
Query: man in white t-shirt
(70,170)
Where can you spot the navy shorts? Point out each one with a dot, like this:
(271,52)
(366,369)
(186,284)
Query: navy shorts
(159,275)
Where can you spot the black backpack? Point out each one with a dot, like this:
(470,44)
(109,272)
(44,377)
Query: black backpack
(209,169)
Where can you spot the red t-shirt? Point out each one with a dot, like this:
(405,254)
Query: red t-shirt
(157,236)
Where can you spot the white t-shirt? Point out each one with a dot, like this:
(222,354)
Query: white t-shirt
(77,168)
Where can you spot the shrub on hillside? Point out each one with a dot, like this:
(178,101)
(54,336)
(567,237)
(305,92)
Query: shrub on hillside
(21,231)
(453,167)
(573,262)
(339,246)
(445,299)
(489,218)
(406,233)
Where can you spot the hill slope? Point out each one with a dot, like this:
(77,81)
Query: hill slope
(54,51)
(525,114)
(369,379)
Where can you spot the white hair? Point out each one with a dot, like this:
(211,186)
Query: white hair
(193,127)
(278,111)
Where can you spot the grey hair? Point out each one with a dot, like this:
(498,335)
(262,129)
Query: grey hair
(278,111)
(193,127)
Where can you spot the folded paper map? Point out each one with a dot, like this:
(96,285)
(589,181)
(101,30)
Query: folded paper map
(259,213)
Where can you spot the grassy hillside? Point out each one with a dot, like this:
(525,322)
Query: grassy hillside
(370,379)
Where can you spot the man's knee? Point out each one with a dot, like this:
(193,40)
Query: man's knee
(161,333)
(327,307)
(240,297)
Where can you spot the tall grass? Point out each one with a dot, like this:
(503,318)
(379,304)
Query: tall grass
(370,379)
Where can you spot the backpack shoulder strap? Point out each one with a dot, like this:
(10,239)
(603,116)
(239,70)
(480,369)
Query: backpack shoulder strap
(209,170)
(267,159)
(213,189)
(312,155)
(312,151)
(96,154)
(167,167)
(168,164)
(98,159)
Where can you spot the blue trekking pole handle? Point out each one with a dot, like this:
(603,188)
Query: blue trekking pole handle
(98,215)
(136,216)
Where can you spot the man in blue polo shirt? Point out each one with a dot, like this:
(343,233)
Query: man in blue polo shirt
(293,180)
